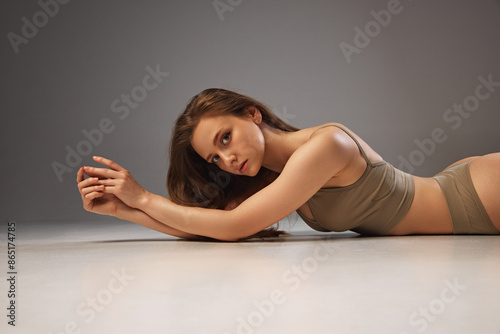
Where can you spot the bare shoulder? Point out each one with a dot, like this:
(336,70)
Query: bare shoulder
(334,134)
(343,136)
(329,143)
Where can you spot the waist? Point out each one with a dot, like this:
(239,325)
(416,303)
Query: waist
(428,213)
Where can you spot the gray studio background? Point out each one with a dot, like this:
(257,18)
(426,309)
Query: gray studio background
(287,53)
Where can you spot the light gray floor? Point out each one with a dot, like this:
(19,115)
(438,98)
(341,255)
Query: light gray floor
(117,277)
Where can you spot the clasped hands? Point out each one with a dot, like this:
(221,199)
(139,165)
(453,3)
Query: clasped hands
(107,190)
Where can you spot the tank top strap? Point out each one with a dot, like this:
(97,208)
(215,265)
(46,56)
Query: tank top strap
(350,135)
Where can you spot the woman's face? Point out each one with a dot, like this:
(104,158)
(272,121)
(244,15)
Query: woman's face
(235,144)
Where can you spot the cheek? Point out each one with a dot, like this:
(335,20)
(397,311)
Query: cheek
(258,137)
(250,139)
(258,143)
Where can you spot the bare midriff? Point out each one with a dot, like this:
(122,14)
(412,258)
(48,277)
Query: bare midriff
(428,213)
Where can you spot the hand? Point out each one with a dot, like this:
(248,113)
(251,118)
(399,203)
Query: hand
(117,181)
(94,199)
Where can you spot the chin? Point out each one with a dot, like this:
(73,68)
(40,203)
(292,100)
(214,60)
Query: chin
(254,173)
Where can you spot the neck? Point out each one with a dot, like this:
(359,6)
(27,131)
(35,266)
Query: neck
(279,146)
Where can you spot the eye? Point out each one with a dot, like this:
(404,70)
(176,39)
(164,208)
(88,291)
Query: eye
(225,138)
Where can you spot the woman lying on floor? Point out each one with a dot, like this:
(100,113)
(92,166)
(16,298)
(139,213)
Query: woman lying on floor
(236,169)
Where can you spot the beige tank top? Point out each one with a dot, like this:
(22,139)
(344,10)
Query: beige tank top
(372,205)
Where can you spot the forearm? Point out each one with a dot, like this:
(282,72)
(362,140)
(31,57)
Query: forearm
(141,218)
(211,223)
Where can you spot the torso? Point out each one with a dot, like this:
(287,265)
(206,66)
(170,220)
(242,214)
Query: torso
(428,212)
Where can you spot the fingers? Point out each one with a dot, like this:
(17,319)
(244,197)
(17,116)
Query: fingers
(90,189)
(93,195)
(108,182)
(87,182)
(90,185)
(79,175)
(101,172)
(100,181)
(90,193)
(111,164)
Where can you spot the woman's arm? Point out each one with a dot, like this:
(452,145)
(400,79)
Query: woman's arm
(141,218)
(327,153)
(95,200)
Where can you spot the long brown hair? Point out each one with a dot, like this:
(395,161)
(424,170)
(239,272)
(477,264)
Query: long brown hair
(192,181)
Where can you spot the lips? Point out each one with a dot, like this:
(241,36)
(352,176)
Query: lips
(243,166)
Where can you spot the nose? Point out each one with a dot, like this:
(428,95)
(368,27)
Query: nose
(228,159)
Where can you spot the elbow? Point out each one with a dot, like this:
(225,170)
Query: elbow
(228,230)
(231,228)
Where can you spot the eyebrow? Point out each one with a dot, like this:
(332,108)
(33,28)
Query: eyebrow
(214,142)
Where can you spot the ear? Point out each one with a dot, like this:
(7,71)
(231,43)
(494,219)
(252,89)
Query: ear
(254,114)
